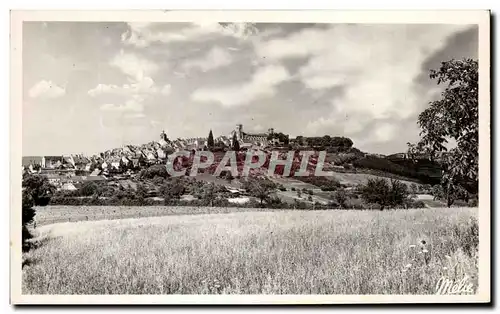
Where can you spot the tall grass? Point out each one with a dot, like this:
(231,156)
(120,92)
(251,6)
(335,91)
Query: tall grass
(291,252)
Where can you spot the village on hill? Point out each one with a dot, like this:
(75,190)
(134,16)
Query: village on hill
(142,167)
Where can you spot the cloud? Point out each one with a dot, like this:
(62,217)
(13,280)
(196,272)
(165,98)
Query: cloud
(132,105)
(262,83)
(46,89)
(145,86)
(166,90)
(215,58)
(376,66)
(143,34)
(136,67)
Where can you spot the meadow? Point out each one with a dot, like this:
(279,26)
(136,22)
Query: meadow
(280,252)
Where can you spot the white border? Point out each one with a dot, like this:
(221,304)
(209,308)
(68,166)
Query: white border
(388,17)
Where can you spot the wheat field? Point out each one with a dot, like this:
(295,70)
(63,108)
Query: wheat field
(285,252)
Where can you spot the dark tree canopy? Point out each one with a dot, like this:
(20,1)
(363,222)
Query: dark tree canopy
(39,189)
(210,140)
(259,188)
(453,117)
(380,191)
(235,143)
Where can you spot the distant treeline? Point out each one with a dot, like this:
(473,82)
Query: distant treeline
(410,170)
(324,141)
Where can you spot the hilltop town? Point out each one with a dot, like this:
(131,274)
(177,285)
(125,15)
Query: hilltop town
(142,167)
(66,170)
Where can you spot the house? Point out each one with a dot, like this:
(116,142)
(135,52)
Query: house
(96,172)
(68,186)
(115,162)
(52,162)
(150,156)
(54,178)
(136,162)
(161,153)
(125,161)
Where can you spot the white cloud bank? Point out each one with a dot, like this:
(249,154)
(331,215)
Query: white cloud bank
(46,89)
(262,83)
(376,66)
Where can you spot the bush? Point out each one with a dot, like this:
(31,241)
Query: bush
(341,197)
(474,202)
(154,171)
(355,204)
(379,191)
(39,188)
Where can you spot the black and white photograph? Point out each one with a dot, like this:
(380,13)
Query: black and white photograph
(241,155)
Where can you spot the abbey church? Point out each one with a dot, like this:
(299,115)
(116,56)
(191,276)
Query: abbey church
(260,139)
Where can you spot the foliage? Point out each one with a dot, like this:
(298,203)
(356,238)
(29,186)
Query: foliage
(455,117)
(172,189)
(28,214)
(141,192)
(235,144)
(282,138)
(383,164)
(379,191)
(341,197)
(210,140)
(324,141)
(153,171)
(39,188)
(259,188)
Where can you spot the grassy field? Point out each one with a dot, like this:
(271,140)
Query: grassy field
(60,213)
(286,252)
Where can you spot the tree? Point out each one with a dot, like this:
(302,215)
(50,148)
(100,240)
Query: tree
(210,140)
(260,189)
(398,193)
(141,192)
(28,214)
(172,189)
(235,143)
(379,191)
(208,193)
(455,117)
(39,189)
(341,197)
(154,171)
(88,188)
(414,189)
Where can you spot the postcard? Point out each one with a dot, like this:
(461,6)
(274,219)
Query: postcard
(250,157)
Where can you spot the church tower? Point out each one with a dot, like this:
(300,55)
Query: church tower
(163,136)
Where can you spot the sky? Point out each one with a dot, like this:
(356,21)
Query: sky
(93,86)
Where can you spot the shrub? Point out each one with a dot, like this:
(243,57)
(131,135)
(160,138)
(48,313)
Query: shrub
(153,171)
(39,189)
(355,204)
(379,191)
(410,203)
(340,197)
(28,214)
